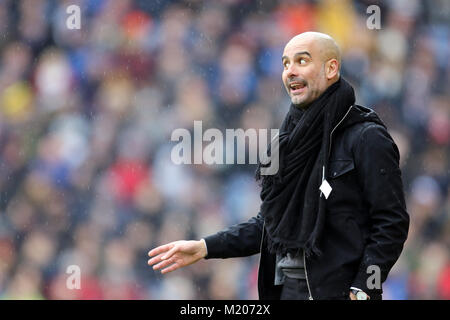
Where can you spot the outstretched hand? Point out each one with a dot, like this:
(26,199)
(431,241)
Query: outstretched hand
(177,254)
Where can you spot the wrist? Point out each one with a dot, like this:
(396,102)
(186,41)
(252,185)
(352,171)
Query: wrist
(204,248)
(359,294)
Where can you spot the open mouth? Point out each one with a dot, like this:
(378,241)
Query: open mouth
(297,87)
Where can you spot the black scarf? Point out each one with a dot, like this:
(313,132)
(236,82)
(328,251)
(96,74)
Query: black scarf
(292,205)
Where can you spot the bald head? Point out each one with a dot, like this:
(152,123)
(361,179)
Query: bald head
(326,45)
(311,62)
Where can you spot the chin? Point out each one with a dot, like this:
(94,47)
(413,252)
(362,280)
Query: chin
(298,102)
(302,104)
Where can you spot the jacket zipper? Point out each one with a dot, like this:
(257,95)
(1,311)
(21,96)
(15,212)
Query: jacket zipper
(331,134)
(262,239)
(329,152)
(260,246)
(306,275)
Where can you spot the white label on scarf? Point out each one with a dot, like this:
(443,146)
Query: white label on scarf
(325,188)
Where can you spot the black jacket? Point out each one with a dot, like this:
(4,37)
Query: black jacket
(367,222)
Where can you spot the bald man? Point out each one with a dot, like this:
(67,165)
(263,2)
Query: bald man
(305,78)
(333,219)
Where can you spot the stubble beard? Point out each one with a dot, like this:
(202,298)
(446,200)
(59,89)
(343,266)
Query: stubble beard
(300,101)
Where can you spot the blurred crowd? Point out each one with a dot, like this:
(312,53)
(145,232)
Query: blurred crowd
(86,117)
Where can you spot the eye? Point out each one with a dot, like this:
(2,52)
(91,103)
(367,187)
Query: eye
(286,64)
(302,60)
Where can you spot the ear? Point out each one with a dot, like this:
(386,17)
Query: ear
(331,69)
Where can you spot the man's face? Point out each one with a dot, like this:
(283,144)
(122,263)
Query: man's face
(304,71)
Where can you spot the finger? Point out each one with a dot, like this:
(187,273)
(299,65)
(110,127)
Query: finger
(163,264)
(155,259)
(171,268)
(161,249)
(170,253)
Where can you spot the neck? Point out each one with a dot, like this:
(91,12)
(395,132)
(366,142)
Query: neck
(302,106)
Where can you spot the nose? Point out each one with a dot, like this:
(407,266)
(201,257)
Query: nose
(291,71)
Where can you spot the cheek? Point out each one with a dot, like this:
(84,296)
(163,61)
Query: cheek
(313,80)
(284,80)
(283,77)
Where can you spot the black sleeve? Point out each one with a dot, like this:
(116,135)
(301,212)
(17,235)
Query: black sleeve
(240,240)
(377,163)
